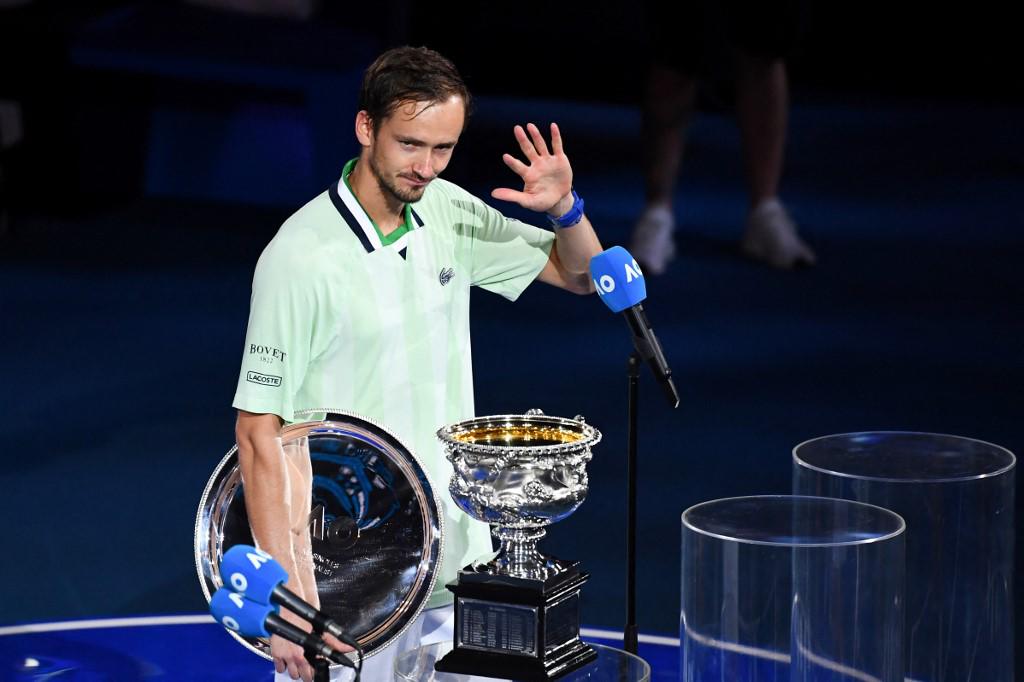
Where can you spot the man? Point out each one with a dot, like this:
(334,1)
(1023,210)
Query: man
(361,303)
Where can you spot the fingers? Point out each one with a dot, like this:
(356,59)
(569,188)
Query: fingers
(336,643)
(506,194)
(289,659)
(544,172)
(517,166)
(538,139)
(299,668)
(532,143)
(556,140)
(524,143)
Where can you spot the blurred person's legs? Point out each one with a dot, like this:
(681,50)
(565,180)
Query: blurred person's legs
(668,105)
(762,107)
(761,35)
(668,102)
(764,35)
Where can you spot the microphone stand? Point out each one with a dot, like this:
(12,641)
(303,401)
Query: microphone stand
(321,668)
(630,633)
(645,346)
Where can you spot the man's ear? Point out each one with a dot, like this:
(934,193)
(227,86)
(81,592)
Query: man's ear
(364,128)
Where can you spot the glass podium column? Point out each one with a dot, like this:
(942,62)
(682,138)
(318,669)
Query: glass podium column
(787,588)
(956,496)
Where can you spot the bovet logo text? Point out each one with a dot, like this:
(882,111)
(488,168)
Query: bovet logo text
(263,379)
(267,351)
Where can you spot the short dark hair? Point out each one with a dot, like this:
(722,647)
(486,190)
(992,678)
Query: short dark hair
(409,74)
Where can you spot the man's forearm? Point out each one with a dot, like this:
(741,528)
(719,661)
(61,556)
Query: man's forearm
(267,496)
(568,265)
(300,473)
(576,246)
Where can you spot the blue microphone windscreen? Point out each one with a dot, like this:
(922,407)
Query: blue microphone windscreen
(237,613)
(618,279)
(251,572)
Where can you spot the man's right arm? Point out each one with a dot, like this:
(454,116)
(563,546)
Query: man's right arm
(265,479)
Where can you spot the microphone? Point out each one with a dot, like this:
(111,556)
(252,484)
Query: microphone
(248,618)
(256,576)
(620,284)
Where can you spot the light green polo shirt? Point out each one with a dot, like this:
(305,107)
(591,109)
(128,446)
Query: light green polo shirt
(339,320)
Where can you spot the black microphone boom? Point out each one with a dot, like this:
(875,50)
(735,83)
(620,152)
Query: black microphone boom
(291,601)
(277,625)
(647,346)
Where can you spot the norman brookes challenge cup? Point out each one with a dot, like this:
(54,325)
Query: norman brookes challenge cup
(517,615)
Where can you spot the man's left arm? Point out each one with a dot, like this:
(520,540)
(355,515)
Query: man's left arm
(547,188)
(568,265)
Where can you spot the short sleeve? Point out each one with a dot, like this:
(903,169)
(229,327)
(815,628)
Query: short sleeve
(506,254)
(278,338)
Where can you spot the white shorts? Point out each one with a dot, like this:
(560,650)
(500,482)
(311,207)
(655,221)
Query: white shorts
(432,626)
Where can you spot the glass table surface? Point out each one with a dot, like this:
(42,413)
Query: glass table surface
(612,665)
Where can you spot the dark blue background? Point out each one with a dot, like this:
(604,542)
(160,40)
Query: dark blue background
(124,281)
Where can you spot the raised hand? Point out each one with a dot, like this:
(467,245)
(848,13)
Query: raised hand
(547,175)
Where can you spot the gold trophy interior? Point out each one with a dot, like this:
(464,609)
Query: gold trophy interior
(514,435)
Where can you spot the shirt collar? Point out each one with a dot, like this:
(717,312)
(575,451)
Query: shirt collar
(352,212)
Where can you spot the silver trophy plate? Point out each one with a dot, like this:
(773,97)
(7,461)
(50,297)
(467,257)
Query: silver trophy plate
(373,526)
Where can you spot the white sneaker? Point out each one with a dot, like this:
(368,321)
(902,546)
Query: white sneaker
(771,237)
(651,243)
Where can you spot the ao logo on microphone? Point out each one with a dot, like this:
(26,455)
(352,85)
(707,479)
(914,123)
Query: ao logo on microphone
(229,622)
(605,284)
(239,583)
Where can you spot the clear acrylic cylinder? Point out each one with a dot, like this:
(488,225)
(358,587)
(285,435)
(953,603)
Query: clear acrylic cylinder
(785,588)
(957,497)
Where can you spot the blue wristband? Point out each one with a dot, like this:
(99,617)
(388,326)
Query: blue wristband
(573,216)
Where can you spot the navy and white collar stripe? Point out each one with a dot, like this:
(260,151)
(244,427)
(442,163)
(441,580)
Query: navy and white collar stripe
(350,219)
(355,217)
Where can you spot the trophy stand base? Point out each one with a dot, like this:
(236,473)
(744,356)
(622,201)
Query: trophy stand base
(517,628)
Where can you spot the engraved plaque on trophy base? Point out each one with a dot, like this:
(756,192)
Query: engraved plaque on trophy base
(517,628)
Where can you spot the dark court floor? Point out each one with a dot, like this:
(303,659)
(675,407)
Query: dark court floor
(122,333)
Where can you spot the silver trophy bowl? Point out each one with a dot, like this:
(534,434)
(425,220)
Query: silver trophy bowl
(519,473)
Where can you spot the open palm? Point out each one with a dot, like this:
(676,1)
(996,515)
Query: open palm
(547,175)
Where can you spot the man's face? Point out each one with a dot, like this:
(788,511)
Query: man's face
(413,145)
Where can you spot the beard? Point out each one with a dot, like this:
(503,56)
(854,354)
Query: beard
(389,188)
